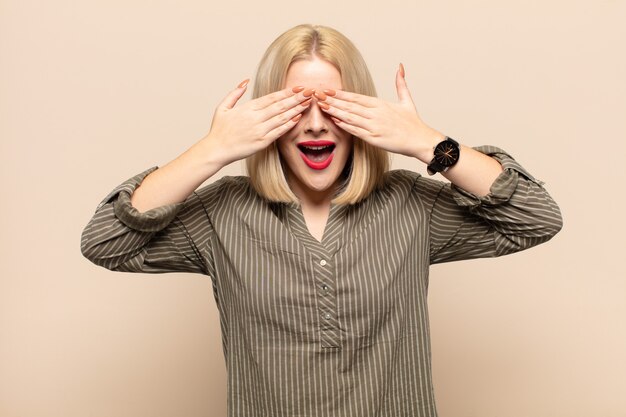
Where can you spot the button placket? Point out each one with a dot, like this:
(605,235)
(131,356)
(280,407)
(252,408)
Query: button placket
(324,286)
(321,257)
(327,305)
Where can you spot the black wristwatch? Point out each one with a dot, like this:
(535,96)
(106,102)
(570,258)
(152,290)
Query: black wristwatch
(447,154)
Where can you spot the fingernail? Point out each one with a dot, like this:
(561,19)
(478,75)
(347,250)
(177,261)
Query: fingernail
(330,92)
(335,119)
(308,92)
(243,83)
(307,101)
(297,89)
(296,117)
(401,69)
(320,96)
(323,105)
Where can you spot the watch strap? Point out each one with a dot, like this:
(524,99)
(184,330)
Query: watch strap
(434,167)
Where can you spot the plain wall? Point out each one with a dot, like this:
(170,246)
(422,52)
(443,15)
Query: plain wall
(92,93)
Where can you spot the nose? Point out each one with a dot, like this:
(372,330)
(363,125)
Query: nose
(315,121)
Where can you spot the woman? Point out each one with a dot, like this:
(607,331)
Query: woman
(319,257)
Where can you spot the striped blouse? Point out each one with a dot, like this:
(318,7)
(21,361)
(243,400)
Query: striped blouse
(337,328)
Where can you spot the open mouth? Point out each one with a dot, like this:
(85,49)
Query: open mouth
(318,156)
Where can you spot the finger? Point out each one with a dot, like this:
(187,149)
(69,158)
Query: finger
(267,100)
(354,130)
(286,104)
(363,100)
(402,89)
(231,99)
(281,129)
(349,117)
(348,107)
(284,117)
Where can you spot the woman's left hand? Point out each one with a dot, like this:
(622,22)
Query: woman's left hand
(395,127)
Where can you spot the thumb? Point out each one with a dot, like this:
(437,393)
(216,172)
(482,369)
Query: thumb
(404,95)
(231,99)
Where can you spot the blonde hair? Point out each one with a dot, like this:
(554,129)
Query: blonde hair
(367,164)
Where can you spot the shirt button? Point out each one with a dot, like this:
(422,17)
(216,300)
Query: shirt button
(325,287)
(323,262)
(327,316)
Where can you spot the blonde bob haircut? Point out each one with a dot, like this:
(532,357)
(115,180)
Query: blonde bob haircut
(367,164)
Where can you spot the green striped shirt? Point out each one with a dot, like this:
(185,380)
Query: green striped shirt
(337,328)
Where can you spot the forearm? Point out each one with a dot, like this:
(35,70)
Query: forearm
(474,172)
(176,180)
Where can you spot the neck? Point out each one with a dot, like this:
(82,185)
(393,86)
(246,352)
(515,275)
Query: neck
(311,198)
(314,199)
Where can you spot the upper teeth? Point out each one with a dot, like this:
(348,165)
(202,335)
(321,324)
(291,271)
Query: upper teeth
(317,148)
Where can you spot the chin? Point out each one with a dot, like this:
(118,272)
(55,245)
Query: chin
(322,184)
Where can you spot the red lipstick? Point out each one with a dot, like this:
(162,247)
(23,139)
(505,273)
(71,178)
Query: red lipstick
(317,165)
(316,143)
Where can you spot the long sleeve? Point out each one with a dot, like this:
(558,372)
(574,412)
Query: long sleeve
(170,238)
(518,213)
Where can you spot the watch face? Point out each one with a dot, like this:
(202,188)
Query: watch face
(446,154)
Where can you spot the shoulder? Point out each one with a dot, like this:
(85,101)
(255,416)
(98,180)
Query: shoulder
(404,179)
(227,182)
(399,179)
(396,187)
(412,183)
(225,190)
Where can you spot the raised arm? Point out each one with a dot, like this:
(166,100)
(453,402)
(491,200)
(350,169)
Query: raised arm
(516,213)
(155,221)
(236,133)
(493,205)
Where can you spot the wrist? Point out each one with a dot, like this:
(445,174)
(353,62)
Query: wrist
(211,153)
(430,139)
(446,155)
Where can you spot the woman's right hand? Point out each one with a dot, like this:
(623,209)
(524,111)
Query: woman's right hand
(238,132)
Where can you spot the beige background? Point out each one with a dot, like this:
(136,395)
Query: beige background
(92,93)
